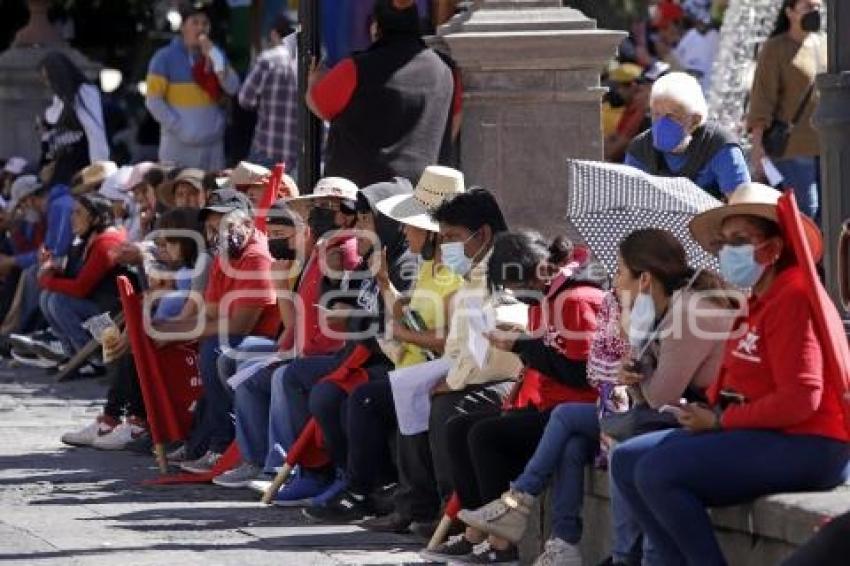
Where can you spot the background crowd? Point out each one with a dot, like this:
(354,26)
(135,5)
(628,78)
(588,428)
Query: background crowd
(445,359)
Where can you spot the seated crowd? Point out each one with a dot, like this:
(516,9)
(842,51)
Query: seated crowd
(442,355)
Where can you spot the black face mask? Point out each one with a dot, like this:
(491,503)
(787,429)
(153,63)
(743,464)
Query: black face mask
(614,99)
(811,22)
(321,221)
(280,250)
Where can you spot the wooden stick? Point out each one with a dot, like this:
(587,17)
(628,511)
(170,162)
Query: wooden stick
(279,480)
(440,533)
(161,459)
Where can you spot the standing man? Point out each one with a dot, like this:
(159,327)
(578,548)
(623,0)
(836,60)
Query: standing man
(271,88)
(187,80)
(388,107)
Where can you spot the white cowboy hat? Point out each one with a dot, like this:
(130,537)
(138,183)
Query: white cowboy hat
(334,187)
(437,185)
(750,199)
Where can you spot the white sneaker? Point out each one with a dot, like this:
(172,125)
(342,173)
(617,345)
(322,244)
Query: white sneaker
(32,360)
(260,486)
(86,436)
(559,552)
(178,455)
(241,476)
(202,465)
(121,436)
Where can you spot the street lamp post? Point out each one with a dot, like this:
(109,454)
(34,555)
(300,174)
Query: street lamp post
(310,127)
(832,120)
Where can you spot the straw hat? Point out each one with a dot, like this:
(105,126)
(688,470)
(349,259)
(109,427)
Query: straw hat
(437,185)
(91,177)
(751,199)
(190,176)
(248,175)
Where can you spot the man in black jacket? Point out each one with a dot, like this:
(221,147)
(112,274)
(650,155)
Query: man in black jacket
(388,106)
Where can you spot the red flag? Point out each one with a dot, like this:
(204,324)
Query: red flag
(828,324)
(271,194)
(452,507)
(168,396)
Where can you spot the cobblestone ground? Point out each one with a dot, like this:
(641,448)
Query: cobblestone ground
(82,506)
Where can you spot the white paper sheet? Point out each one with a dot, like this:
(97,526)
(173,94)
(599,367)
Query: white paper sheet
(411,388)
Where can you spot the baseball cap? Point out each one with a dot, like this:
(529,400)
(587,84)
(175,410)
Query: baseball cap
(223,201)
(15,165)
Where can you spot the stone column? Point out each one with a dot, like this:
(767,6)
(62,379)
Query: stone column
(531,99)
(832,120)
(23,94)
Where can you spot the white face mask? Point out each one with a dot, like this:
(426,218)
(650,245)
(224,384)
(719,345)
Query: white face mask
(641,320)
(453,256)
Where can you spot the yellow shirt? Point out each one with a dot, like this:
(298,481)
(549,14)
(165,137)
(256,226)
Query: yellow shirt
(428,301)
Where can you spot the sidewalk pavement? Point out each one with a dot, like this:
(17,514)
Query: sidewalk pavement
(61,505)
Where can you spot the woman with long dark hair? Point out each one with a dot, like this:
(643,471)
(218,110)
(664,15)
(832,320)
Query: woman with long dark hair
(75,131)
(783,94)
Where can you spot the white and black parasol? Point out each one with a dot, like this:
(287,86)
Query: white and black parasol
(609,201)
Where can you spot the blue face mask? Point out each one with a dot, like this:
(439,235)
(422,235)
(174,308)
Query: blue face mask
(641,320)
(667,134)
(453,256)
(739,267)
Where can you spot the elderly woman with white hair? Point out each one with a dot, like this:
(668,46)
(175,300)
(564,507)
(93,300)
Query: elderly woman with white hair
(682,142)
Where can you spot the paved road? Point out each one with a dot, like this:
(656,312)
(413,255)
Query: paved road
(82,506)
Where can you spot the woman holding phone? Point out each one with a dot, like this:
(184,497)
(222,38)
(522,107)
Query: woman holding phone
(773,422)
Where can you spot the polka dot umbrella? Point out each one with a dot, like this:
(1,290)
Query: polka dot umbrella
(608,201)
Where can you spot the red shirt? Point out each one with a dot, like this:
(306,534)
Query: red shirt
(315,342)
(97,265)
(570,322)
(774,360)
(252,287)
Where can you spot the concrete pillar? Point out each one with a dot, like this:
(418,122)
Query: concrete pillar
(531,100)
(832,120)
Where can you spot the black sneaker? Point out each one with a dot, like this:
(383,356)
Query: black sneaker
(392,523)
(456,548)
(489,555)
(383,499)
(347,507)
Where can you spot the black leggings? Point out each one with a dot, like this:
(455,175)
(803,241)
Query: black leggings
(489,451)
(125,394)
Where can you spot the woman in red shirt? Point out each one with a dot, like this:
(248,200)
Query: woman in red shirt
(774,423)
(85,286)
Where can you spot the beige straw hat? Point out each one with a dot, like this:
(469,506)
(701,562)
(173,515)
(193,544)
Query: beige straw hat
(437,185)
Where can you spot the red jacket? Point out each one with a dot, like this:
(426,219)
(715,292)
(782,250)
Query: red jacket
(556,364)
(774,360)
(97,264)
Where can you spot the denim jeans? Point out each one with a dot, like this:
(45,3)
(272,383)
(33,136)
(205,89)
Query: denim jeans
(251,349)
(216,423)
(255,425)
(30,300)
(569,442)
(668,478)
(298,380)
(803,175)
(66,314)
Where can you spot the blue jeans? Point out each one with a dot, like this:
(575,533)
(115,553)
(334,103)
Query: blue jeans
(568,445)
(803,175)
(298,380)
(251,349)
(30,299)
(216,425)
(668,478)
(66,314)
(255,424)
